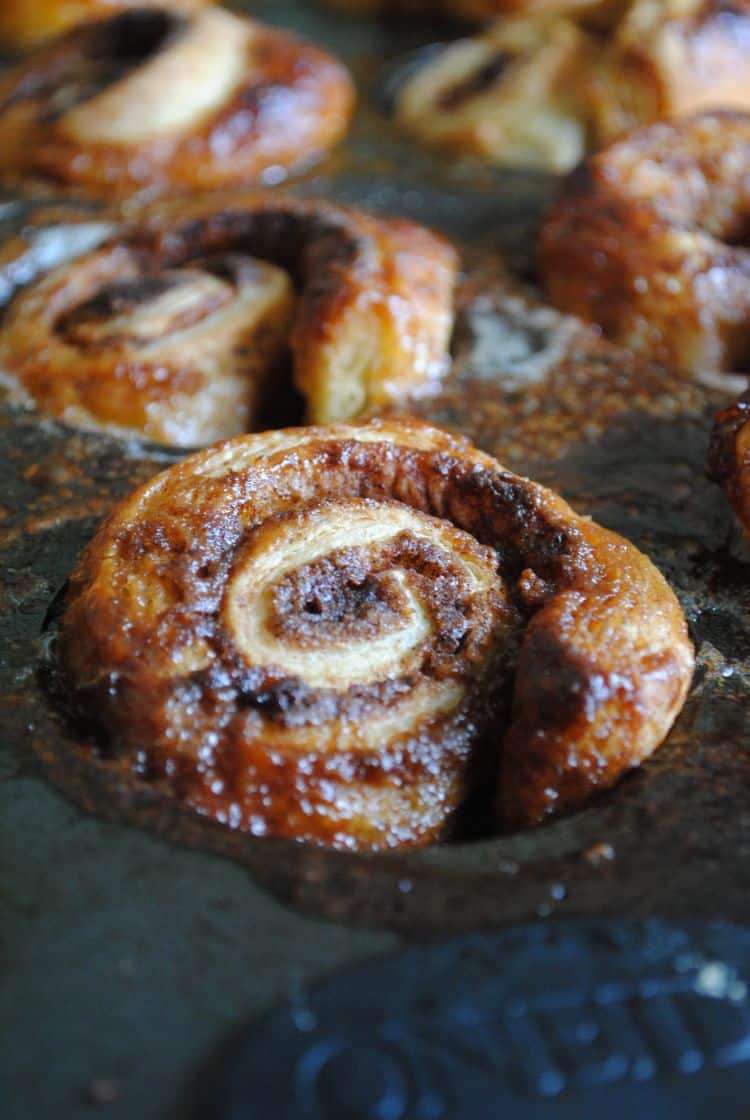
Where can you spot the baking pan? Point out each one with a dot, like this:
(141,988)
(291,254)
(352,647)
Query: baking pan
(135,937)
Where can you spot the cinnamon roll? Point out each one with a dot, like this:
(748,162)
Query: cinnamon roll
(173,328)
(540,91)
(729,457)
(511,95)
(315,633)
(154,99)
(647,241)
(24,25)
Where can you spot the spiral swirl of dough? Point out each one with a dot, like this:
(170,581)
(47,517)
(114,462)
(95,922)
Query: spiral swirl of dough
(512,95)
(166,102)
(315,633)
(174,328)
(184,356)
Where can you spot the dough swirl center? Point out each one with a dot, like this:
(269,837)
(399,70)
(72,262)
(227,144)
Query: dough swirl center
(304,601)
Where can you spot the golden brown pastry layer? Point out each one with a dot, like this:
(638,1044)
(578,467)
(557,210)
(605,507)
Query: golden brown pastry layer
(153,99)
(540,90)
(333,633)
(25,24)
(729,457)
(647,241)
(174,327)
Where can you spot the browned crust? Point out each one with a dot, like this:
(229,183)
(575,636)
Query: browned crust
(381,287)
(604,666)
(646,241)
(294,105)
(25,25)
(729,457)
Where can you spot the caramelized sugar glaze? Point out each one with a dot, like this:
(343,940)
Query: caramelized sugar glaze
(175,327)
(335,633)
(170,102)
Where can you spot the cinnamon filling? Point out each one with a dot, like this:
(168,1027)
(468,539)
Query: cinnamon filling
(332,600)
(144,309)
(98,56)
(477,83)
(131,38)
(410,596)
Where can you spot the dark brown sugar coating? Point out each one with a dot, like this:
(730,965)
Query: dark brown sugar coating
(333,633)
(648,240)
(152,99)
(174,327)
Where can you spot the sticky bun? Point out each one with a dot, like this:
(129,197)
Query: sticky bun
(334,633)
(729,458)
(171,102)
(174,328)
(24,25)
(648,241)
(539,91)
